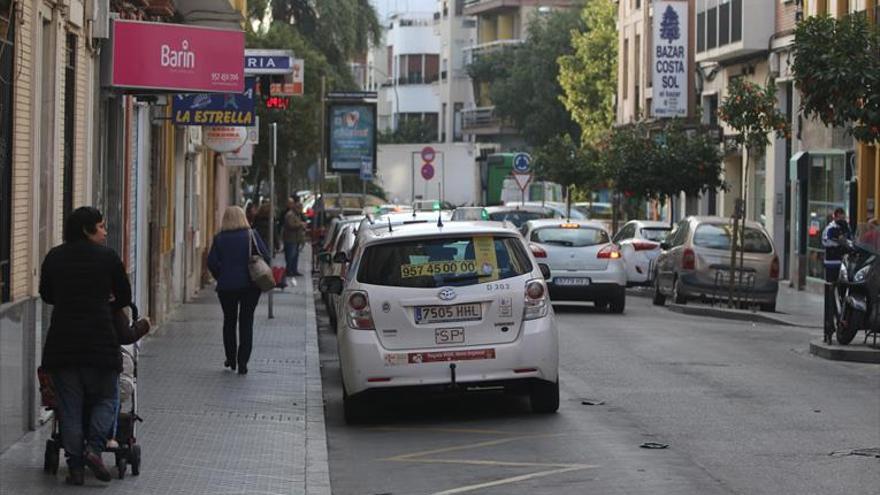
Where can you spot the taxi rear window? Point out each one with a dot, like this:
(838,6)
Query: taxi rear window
(456,261)
(569,236)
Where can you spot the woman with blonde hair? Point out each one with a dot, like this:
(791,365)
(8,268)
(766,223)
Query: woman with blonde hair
(228,262)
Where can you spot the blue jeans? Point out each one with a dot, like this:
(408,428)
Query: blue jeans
(291,257)
(86,401)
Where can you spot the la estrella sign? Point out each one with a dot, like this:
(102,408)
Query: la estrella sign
(227,109)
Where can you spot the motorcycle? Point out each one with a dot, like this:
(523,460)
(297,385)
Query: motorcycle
(857,291)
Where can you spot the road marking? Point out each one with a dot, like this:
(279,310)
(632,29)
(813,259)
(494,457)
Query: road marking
(477,462)
(488,443)
(507,481)
(445,430)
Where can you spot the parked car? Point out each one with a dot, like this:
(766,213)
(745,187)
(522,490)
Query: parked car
(461,306)
(639,242)
(335,264)
(585,264)
(695,263)
(519,215)
(561,209)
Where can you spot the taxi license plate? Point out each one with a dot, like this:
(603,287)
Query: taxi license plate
(449,336)
(571,282)
(444,314)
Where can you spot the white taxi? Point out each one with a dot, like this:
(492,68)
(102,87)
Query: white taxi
(461,306)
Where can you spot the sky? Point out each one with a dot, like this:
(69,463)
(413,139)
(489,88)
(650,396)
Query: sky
(387,7)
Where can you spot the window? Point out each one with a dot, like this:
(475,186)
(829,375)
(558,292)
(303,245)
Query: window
(711,28)
(656,234)
(717,236)
(627,232)
(457,135)
(625,68)
(432,68)
(438,262)
(570,237)
(724,24)
(69,123)
(701,32)
(637,59)
(518,217)
(7,38)
(736,27)
(432,122)
(443,123)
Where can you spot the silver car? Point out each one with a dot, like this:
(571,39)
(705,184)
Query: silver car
(584,263)
(695,264)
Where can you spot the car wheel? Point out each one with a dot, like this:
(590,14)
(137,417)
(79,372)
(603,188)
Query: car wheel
(677,296)
(544,397)
(352,408)
(659,299)
(618,304)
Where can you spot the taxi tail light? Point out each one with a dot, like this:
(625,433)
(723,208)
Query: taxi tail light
(774,268)
(537,302)
(538,251)
(688,259)
(609,252)
(645,245)
(360,317)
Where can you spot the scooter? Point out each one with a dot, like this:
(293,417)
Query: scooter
(857,293)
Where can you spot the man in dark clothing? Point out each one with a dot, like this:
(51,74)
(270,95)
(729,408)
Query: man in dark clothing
(79,278)
(834,239)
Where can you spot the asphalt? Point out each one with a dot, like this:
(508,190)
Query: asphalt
(207,430)
(743,407)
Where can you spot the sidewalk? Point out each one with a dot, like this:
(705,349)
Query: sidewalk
(207,430)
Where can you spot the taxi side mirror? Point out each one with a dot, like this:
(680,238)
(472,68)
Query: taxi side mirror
(340,257)
(545,270)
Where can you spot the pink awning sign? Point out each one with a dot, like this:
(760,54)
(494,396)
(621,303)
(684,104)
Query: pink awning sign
(177,58)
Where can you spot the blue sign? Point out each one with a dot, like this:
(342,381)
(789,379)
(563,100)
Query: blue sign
(367,169)
(522,162)
(213,109)
(268,62)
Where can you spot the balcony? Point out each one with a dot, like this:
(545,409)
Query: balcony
(477,7)
(472,53)
(483,121)
(732,29)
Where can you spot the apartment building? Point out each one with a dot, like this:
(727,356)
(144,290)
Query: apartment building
(457,32)
(500,24)
(70,136)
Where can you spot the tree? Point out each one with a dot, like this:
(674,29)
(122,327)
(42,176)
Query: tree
(588,76)
(523,81)
(669,29)
(837,70)
(750,110)
(565,162)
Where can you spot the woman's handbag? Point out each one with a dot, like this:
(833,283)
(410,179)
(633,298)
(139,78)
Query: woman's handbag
(129,331)
(260,271)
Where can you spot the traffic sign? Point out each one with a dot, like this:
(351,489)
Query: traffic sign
(522,163)
(427,171)
(428,154)
(367,170)
(522,180)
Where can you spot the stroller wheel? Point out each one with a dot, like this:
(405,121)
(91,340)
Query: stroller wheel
(135,458)
(121,465)
(51,458)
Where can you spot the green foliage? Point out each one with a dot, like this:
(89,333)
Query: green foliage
(409,131)
(524,86)
(648,163)
(837,69)
(589,75)
(563,161)
(750,109)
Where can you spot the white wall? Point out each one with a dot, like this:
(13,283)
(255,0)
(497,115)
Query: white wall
(416,98)
(413,39)
(455,168)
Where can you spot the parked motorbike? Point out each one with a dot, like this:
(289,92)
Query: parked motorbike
(857,293)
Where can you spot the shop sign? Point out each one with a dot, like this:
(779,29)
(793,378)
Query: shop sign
(242,157)
(351,135)
(670,69)
(225,139)
(268,61)
(204,109)
(173,57)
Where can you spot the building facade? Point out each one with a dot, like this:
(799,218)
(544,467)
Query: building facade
(69,139)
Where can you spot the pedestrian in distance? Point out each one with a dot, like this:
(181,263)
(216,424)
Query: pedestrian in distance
(85,282)
(293,233)
(251,212)
(261,222)
(228,262)
(834,239)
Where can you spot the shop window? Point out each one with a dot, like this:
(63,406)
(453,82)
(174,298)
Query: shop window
(826,185)
(7,37)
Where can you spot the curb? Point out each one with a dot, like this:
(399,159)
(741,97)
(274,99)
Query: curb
(317,475)
(729,314)
(855,354)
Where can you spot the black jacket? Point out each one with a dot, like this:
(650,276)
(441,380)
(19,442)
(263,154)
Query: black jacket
(78,279)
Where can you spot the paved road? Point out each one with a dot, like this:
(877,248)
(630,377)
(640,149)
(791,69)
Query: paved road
(744,409)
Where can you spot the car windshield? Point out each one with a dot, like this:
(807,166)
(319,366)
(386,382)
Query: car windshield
(570,236)
(455,261)
(717,236)
(656,234)
(518,217)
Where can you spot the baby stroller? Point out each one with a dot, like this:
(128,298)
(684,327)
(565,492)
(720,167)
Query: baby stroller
(127,451)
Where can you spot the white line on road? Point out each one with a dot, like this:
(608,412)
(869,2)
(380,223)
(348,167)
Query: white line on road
(506,481)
